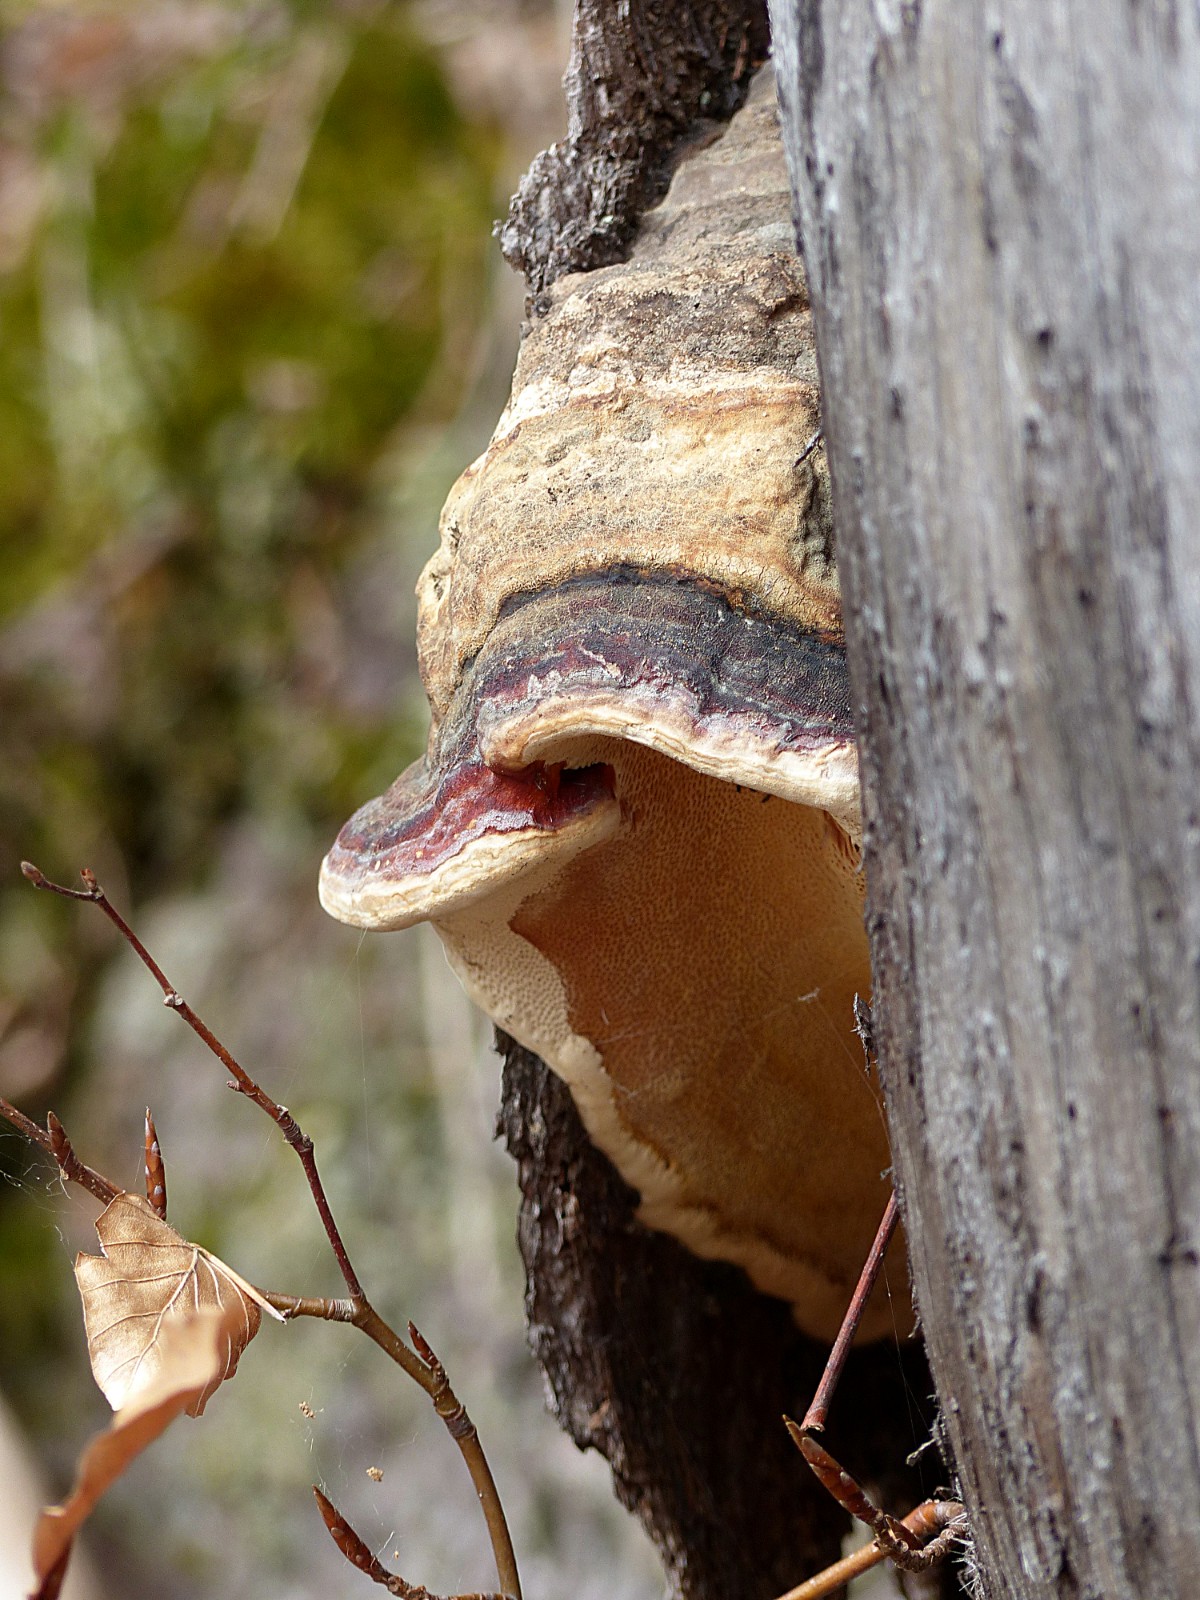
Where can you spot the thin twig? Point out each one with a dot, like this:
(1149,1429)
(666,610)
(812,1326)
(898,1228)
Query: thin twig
(814,1417)
(51,1585)
(359,1554)
(943,1518)
(53,1140)
(462,1430)
(893,1536)
(25,1125)
(241,1082)
(422,1365)
(850,1495)
(431,1375)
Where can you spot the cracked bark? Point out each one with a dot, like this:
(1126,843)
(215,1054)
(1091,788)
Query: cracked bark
(998,212)
(644,79)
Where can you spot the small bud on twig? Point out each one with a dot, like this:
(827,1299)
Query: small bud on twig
(156,1172)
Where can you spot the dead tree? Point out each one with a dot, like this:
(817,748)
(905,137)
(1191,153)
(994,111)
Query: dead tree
(999,213)
(676,1369)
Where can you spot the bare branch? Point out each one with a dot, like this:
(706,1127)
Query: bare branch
(72,1168)
(359,1555)
(242,1082)
(423,1367)
(944,1519)
(893,1537)
(814,1417)
(53,1139)
(462,1430)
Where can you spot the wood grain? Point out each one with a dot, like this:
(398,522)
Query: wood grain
(998,207)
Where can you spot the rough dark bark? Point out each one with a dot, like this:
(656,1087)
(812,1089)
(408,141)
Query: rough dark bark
(644,79)
(999,211)
(677,1370)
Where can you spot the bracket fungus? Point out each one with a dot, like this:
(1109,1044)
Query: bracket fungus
(636,824)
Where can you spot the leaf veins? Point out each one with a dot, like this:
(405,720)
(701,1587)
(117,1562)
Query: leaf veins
(148,1277)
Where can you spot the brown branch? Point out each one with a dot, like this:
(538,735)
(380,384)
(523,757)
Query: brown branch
(241,1083)
(893,1537)
(814,1417)
(53,1139)
(422,1366)
(359,1554)
(462,1430)
(849,1494)
(939,1522)
(51,1585)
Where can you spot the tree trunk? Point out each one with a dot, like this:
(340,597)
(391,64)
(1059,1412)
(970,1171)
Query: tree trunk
(677,1369)
(1001,219)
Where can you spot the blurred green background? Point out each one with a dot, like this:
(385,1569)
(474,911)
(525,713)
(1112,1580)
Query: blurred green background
(252,324)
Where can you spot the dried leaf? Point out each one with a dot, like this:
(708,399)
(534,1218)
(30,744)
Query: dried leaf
(148,1279)
(166,1324)
(191,1358)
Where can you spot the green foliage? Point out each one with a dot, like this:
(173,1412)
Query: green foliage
(233,294)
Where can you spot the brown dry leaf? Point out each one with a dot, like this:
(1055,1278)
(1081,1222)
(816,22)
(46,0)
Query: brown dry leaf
(191,1358)
(148,1279)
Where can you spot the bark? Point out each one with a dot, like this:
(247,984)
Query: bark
(998,208)
(644,79)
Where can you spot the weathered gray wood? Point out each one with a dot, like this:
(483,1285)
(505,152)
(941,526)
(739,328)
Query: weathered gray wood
(1000,210)
(675,1368)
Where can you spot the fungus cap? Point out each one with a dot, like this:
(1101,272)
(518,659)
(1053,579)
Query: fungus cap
(636,823)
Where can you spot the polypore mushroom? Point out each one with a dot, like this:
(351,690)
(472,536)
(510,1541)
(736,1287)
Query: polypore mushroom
(635,827)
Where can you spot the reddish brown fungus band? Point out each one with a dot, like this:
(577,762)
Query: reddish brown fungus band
(664,639)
